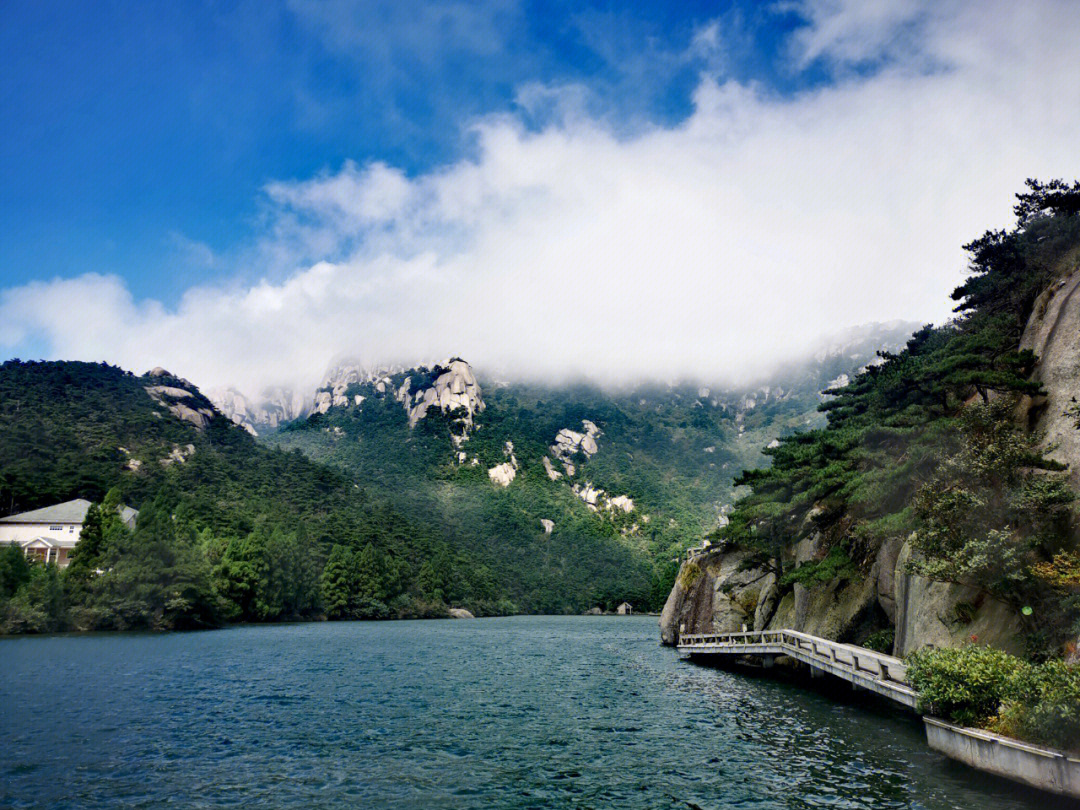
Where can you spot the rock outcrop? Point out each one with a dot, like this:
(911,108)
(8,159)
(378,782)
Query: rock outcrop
(503,474)
(172,393)
(942,614)
(178,455)
(569,443)
(451,388)
(276,407)
(597,500)
(1053,333)
(716,592)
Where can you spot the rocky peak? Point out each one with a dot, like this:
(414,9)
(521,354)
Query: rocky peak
(276,407)
(333,393)
(179,397)
(450,387)
(568,443)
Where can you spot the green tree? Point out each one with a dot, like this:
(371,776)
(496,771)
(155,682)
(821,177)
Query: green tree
(14,570)
(338,582)
(369,574)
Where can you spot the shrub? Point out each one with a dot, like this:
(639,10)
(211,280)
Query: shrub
(964,685)
(835,565)
(1045,706)
(881,641)
(691,572)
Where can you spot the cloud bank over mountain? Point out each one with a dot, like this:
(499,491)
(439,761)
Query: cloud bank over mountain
(715,247)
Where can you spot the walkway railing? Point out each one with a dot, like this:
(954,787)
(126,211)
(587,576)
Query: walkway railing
(879,673)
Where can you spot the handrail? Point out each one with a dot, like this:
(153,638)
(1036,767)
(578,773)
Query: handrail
(857,659)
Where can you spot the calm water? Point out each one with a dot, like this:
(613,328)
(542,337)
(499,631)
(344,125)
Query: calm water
(521,712)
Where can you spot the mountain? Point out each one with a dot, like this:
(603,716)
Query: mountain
(414,490)
(493,465)
(230,529)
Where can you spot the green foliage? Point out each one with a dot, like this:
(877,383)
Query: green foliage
(691,573)
(62,427)
(671,448)
(156,578)
(236,532)
(964,685)
(38,606)
(15,571)
(337,582)
(981,686)
(993,513)
(1044,706)
(881,640)
(836,565)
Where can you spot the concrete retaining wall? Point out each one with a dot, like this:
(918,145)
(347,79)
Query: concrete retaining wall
(1044,768)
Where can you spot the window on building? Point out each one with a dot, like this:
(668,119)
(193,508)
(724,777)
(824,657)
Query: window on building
(56,528)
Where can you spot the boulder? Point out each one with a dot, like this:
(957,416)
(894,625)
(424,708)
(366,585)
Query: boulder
(460,613)
(943,614)
(502,474)
(714,594)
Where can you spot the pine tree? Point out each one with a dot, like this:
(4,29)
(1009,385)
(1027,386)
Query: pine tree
(338,582)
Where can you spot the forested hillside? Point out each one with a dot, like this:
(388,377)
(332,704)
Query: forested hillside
(228,530)
(655,475)
(382,504)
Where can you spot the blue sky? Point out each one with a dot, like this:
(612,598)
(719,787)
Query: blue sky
(243,190)
(134,133)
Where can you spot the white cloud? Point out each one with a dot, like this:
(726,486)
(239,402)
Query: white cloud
(714,248)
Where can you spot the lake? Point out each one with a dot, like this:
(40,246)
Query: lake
(522,712)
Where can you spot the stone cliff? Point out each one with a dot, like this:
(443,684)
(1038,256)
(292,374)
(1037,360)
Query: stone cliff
(1053,333)
(717,590)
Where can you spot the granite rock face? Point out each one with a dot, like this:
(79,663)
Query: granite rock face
(173,394)
(276,407)
(715,593)
(570,443)
(451,388)
(1053,333)
(942,614)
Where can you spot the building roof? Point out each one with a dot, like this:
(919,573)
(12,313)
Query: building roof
(67,512)
(66,541)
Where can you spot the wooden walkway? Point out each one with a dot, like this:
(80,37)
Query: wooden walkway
(865,669)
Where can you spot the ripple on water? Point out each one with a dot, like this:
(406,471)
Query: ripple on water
(527,712)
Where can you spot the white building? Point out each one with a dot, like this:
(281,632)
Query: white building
(51,533)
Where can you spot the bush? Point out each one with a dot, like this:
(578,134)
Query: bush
(835,565)
(1045,706)
(882,641)
(691,572)
(964,685)
(981,686)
